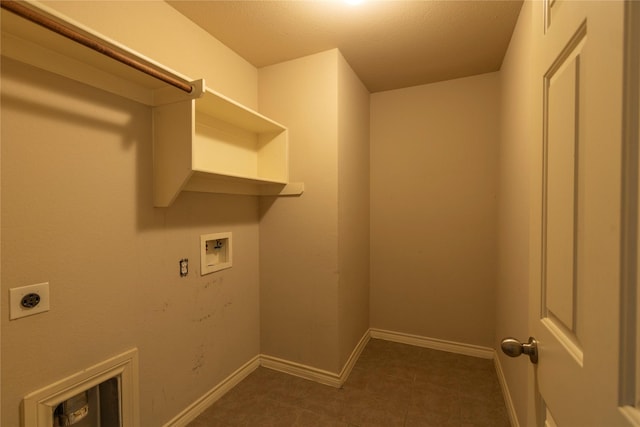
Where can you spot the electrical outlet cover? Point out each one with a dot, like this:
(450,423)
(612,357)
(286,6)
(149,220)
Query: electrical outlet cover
(16,310)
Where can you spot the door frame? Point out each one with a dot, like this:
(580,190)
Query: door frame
(629,375)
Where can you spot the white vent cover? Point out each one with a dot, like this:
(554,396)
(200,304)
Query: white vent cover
(39,406)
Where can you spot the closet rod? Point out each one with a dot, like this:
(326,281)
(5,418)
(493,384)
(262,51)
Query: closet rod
(50,24)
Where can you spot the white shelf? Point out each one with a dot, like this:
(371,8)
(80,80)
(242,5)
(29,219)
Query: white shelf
(203,141)
(30,43)
(213,144)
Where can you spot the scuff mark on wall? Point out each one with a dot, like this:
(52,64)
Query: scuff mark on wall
(210,283)
(163,308)
(205,317)
(198,361)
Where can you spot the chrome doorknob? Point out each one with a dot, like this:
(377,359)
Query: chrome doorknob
(514,348)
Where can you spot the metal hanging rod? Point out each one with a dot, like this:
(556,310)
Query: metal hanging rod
(25,12)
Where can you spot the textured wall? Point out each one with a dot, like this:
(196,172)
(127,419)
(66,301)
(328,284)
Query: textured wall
(158,31)
(77,212)
(313,249)
(299,236)
(353,209)
(434,172)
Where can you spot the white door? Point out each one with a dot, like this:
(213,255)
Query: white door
(583,212)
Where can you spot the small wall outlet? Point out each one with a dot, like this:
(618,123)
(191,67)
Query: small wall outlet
(184,267)
(215,252)
(27,300)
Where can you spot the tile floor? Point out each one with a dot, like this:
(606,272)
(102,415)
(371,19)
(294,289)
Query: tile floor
(391,385)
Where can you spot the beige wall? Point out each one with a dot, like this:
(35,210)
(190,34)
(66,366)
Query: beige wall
(299,236)
(77,212)
(156,30)
(313,265)
(434,172)
(353,209)
(513,273)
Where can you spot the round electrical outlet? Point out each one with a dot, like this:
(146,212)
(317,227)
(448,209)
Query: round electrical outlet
(30,300)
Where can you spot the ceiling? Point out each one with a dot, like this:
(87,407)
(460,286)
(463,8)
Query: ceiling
(390,44)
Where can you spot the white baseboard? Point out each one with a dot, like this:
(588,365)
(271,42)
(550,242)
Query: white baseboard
(299,370)
(315,374)
(434,343)
(304,371)
(196,408)
(331,378)
(511,410)
(355,355)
